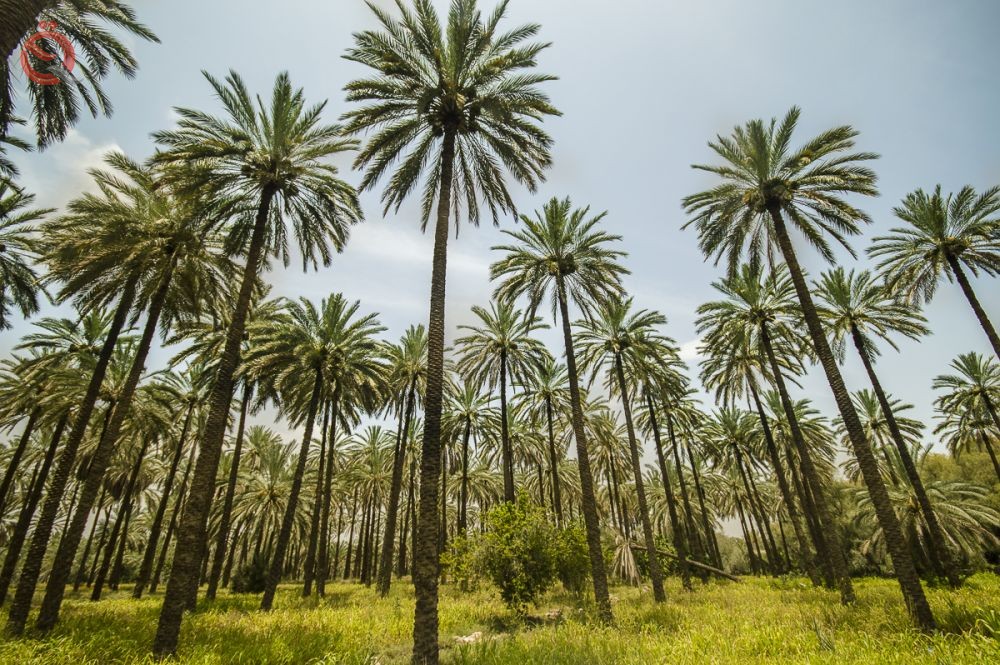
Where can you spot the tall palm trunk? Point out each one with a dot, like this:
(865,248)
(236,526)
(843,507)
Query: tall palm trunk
(222,538)
(149,555)
(192,535)
(711,543)
(63,562)
(752,554)
(34,496)
(827,531)
(553,462)
(804,554)
(756,515)
(324,526)
(588,497)
(425,559)
(668,490)
(21,604)
(902,559)
(309,572)
(81,569)
(696,541)
(985,440)
(464,499)
(940,554)
(970,295)
(120,522)
(395,489)
(15,458)
(505,449)
(350,535)
(288,521)
(655,573)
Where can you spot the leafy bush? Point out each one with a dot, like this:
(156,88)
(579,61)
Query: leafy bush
(517,552)
(251,577)
(572,558)
(459,561)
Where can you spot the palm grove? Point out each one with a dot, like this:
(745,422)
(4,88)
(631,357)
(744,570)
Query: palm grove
(118,473)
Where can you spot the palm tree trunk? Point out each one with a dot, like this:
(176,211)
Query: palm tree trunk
(174,517)
(222,539)
(309,574)
(63,562)
(426,564)
(34,496)
(940,554)
(992,453)
(675,526)
(748,543)
(81,570)
(288,521)
(902,559)
(395,489)
(805,556)
(505,448)
(336,549)
(324,526)
(712,544)
(827,529)
(17,19)
(553,462)
(588,497)
(692,531)
(970,295)
(15,458)
(149,555)
(443,533)
(655,573)
(350,535)
(191,538)
(120,520)
(463,509)
(21,604)
(756,515)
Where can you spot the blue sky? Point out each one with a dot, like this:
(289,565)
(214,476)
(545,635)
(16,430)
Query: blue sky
(643,86)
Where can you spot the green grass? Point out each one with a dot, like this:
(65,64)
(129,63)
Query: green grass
(757,621)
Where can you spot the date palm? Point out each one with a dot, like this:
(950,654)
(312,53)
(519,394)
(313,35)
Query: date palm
(469,414)
(56,108)
(455,106)
(562,253)
(499,352)
(945,236)
(547,396)
(855,306)
(264,166)
(766,186)
(616,338)
(19,282)
(973,392)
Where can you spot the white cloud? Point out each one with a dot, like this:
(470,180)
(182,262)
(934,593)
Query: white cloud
(59,174)
(689,351)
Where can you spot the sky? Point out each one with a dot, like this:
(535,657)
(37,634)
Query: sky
(643,86)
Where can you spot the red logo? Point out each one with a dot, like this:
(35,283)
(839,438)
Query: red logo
(47,31)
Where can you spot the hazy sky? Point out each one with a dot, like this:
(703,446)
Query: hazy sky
(643,86)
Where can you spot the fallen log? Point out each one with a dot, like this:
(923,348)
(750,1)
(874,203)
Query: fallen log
(696,564)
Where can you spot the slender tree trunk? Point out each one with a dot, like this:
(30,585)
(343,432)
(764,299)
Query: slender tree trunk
(941,555)
(902,560)
(350,536)
(992,453)
(191,537)
(751,553)
(443,533)
(463,508)
(310,565)
(227,570)
(505,448)
(655,573)
(588,497)
(426,564)
(805,556)
(395,489)
(81,570)
(149,555)
(675,526)
(288,521)
(757,513)
(31,502)
(222,539)
(711,544)
(553,462)
(174,518)
(336,549)
(970,295)
(21,604)
(15,459)
(692,530)
(827,530)
(63,562)
(324,527)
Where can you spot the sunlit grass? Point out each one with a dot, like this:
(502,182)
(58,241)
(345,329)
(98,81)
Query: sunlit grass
(756,621)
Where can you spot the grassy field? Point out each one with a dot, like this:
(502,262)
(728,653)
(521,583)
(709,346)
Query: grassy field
(757,621)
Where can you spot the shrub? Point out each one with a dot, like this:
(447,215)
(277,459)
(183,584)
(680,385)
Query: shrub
(459,561)
(251,577)
(518,552)
(572,558)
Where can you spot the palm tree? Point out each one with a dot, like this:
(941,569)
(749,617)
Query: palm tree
(766,183)
(501,349)
(561,253)
(547,396)
(456,97)
(301,353)
(854,305)
(973,393)
(269,160)
(19,284)
(56,107)
(946,236)
(468,414)
(613,339)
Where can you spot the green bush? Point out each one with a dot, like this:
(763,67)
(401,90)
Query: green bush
(251,577)
(459,562)
(518,552)
(572,558)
